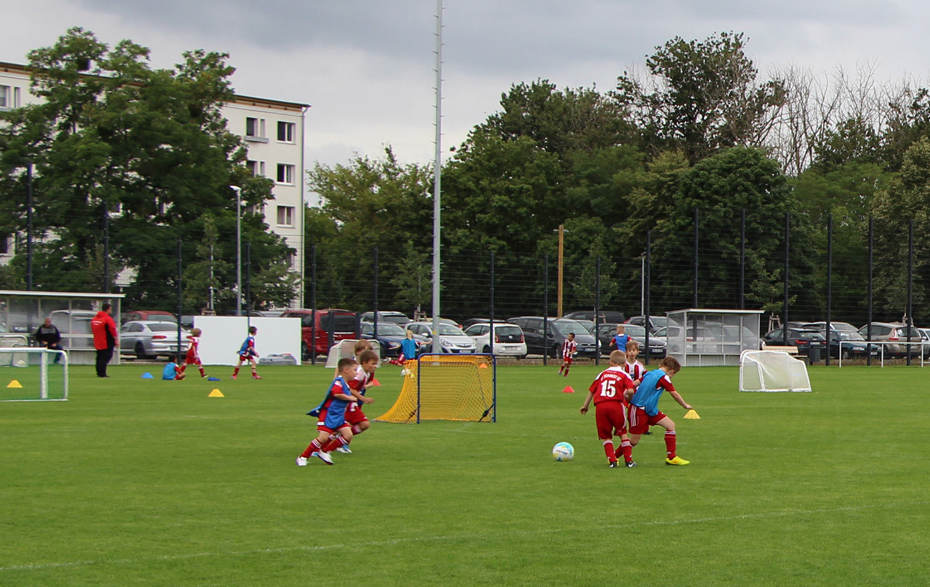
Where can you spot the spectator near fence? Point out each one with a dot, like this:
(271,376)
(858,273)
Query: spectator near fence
(104,329)
(49,337)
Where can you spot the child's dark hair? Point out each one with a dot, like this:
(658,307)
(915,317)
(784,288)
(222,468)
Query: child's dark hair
(671,363)
(368,355)
(343,363)
(252,329)
(172,358)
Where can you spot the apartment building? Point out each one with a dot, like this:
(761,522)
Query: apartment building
(273,131)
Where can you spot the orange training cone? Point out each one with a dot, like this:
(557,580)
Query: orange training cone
(568,389)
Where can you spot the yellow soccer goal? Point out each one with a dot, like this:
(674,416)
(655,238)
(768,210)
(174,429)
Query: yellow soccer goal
(447,387)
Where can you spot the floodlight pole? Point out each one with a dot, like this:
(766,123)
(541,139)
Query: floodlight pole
(238,191)
(437,175)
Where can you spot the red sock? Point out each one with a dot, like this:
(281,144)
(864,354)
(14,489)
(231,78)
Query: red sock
(609,451)
(314,447)
(334,444)
(202,372)
(625,449)
(356,430)
(235,371)
(670,443)
(181,368)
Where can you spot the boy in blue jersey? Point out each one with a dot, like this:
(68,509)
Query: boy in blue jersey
(247,353)
(408,351)
(644,407)
(620,339)
(172,372)
(331,414)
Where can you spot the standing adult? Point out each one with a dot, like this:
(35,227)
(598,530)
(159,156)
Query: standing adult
(49,337)
(104,329)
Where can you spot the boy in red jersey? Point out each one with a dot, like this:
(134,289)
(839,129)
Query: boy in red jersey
(331,414)
(632,367)
(364,376)
(608,392)
(569,347)
(193,356)
(644,407)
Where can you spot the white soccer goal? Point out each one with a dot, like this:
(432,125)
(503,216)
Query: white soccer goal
(772,371)
(346,349)
(31,374)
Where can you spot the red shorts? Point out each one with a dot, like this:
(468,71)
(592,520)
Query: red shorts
(191,359)
(321,424)
(640,421)
(567,360)
(355,415)
(610,417)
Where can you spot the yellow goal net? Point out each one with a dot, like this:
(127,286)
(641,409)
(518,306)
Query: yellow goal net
(447,387)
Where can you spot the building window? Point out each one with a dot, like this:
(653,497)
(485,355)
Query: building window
(6,101)
(286,132)
(285,174)
(252,166)
(4,244)
(285,216)
(255,130)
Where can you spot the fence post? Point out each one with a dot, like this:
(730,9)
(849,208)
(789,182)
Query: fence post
(545,309)
(491,308)
(248,283)
(313,304)
(646,313)
(179,300)
(742,259)
(784,328)
(839,342)
(597,305)
(374,294)
(910,289)
(868,328)
(696,225)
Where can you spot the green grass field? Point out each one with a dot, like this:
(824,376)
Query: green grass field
(145,482)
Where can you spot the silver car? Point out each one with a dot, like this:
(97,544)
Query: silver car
(451,338)
(149,339)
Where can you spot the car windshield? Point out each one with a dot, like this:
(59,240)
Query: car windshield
(384,329)
(569,326)
(634,330)
(449,330)
(661,331)
(847,335)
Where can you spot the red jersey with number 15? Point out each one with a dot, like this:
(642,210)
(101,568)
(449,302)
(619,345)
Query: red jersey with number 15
(610,385)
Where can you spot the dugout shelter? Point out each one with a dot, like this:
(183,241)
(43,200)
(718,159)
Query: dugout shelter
(711,337)
(21,313)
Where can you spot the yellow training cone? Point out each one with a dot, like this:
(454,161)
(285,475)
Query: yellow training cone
(15,385)
(216,393)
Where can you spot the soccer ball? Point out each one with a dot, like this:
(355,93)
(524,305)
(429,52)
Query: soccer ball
(563,451)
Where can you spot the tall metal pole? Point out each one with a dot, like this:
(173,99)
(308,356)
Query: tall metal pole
(374,293)
(785,309)
(545,343)
(180,308)
(597,305)
(647,266)
(313,304)
(437,177)
(106,247)
(238,191)
(742,259)
(829,334)
(868,328)
(909,325)
(248,282)
(29,227)
(491,316)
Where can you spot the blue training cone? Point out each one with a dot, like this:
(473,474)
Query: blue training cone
(213,378)
(147,375)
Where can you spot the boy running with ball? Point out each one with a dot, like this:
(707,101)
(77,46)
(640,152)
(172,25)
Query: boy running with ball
(644,407)
(331,413)
(608,392)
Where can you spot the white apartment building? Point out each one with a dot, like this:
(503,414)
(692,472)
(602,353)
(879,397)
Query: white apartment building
(273,131)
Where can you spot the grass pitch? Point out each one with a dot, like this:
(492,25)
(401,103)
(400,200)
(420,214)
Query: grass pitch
(145,482)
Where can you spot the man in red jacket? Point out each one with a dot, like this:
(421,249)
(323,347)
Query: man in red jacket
(104,329)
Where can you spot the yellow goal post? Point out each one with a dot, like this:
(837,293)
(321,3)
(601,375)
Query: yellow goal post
(447,387)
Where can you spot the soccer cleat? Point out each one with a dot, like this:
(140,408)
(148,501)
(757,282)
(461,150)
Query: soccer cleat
(613,464)
(631,464)
(676,461)
(235,376)
(256,376)
(324,456)
(344,450)
(301,461)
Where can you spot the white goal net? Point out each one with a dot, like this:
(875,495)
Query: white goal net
(772,371)
(33,374)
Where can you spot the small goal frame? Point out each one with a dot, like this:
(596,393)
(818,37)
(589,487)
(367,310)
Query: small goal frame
(44,355)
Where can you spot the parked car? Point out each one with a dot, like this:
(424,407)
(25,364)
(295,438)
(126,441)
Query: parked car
(538,343)
(655,322)
(451,338)
(390,335)
(606,333)
(894,334)
(508,339)
(150,339)
(604,316)
(148,315)
(472,321)
(398,318)
(343,324)
(853,344)
(803,339)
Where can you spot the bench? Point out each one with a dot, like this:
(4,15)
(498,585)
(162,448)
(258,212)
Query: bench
(791,350)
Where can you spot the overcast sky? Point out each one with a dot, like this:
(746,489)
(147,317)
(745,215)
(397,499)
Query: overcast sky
(366,66)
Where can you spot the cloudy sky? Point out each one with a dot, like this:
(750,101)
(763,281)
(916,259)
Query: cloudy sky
(366,66)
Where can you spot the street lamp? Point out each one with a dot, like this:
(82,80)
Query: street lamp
(238,191)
